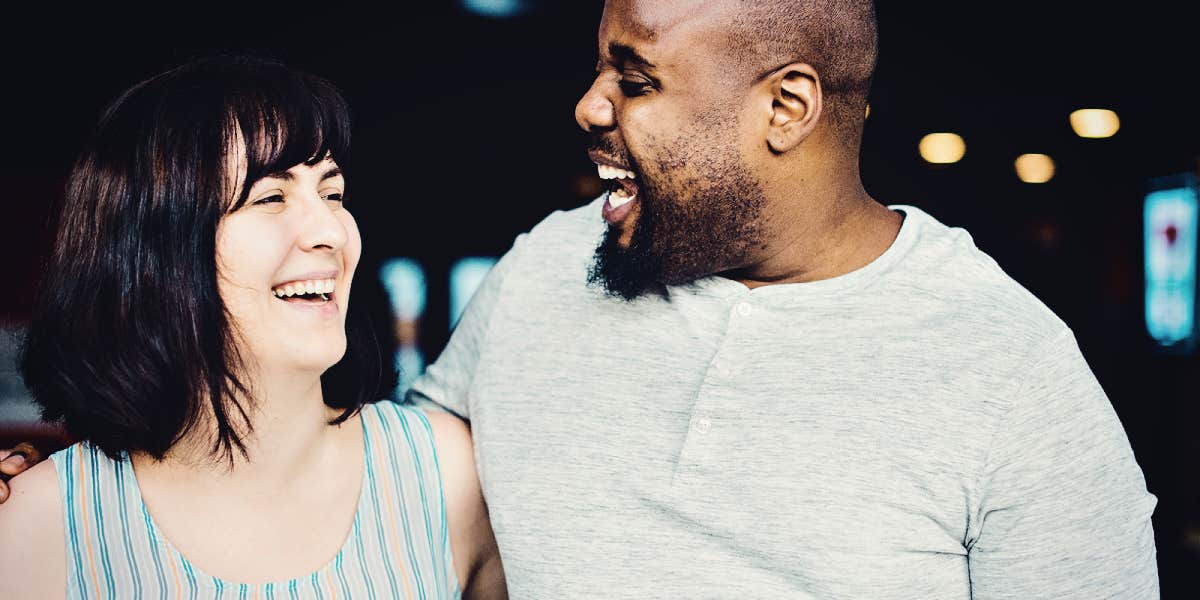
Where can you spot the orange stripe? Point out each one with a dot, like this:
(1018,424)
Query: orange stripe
(175,575)
(84,508)
(329,580)
(387,496)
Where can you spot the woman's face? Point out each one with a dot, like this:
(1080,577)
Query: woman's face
(285,261)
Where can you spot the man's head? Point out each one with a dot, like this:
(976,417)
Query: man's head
(719,108)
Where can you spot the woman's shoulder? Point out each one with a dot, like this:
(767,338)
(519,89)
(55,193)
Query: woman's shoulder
(32,543)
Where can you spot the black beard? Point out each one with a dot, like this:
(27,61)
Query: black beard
(675,243)
(627,272)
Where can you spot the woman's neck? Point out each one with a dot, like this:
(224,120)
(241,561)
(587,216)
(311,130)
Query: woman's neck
(289,434)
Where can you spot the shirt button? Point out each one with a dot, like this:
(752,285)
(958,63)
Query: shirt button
(702,425)
(744,309)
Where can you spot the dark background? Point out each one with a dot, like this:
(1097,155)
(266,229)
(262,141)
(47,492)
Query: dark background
(465,137)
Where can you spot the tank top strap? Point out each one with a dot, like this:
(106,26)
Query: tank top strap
(109,546)
(409,508)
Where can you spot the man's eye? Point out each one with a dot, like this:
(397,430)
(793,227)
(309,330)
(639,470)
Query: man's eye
(334,197)
(270,199)
(633,88)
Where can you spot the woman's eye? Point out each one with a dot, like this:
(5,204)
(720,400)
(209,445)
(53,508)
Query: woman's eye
(270,199)
(334,197)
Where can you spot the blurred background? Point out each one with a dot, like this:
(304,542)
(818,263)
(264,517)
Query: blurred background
(465,137)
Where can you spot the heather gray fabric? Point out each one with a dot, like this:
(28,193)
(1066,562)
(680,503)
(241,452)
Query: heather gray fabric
(920,428)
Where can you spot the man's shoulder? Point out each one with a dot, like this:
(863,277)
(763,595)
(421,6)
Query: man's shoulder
(946,265)
(559,248)
(575,228)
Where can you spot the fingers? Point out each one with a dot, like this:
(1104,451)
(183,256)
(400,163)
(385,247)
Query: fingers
(3,491)
(19,458)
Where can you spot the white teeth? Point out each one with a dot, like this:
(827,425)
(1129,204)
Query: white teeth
(297,288)
(616,200)
(610,172)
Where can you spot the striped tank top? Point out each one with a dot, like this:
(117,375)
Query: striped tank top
(398,546)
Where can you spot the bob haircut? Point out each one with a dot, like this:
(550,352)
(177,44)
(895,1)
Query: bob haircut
(130,345)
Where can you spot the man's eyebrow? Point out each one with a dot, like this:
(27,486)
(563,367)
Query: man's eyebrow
(626,54)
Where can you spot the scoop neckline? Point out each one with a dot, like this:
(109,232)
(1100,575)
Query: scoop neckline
(197,572)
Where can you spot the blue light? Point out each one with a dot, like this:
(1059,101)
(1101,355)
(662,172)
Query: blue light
(495,8)
(404,280)
(465,277)
(410,363)
(1170,234)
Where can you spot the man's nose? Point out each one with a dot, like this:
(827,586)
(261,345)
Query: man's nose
(595,110)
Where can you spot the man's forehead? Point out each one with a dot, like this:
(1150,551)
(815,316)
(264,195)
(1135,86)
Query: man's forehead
(651,19)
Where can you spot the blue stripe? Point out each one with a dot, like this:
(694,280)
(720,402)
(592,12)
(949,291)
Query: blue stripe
(341,573)
(135,574)
(403,503)
(316,586)
(362,551)
(448,573)
(242,591)
(72,518)
(154,553)
(101,539)
(377,510)
(193,589)
(422,484)
(269,590)
(220,585)
(292,590)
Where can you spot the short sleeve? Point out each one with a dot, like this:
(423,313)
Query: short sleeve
(445,383)
(1064,511)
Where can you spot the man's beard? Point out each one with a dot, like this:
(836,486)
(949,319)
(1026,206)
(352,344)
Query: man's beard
(677,241)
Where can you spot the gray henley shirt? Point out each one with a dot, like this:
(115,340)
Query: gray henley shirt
(920,428)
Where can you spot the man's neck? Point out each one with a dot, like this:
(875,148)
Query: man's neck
(843,232)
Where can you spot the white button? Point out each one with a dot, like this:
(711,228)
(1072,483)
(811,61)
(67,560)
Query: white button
(744,309)
(702,425)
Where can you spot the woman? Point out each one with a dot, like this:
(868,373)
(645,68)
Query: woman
(192,330)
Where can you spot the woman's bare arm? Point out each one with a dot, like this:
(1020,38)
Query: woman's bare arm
(476,556)
(32,546)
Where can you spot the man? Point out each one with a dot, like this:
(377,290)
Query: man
(737,375)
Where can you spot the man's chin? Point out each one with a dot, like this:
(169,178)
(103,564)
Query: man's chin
(622,268)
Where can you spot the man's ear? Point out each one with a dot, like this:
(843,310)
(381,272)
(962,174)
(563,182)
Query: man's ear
(795,105)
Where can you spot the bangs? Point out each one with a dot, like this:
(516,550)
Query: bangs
(287,122)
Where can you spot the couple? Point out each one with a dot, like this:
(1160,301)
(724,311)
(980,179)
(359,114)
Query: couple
(735,375)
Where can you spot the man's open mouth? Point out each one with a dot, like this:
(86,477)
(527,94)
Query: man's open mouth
(622,187)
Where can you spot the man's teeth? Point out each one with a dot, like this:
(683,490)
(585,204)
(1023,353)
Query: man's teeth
(299,288)
(608,172)
(619,197)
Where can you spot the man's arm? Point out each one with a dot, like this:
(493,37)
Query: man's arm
(445,384)
(1064,511)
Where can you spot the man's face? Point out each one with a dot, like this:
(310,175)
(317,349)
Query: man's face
(665,109)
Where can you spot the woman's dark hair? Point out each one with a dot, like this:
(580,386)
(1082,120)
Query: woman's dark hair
(130,345)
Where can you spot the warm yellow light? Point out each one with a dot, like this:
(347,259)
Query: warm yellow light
(1035,168)
(942,148)
(868,115)
(1095,122)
